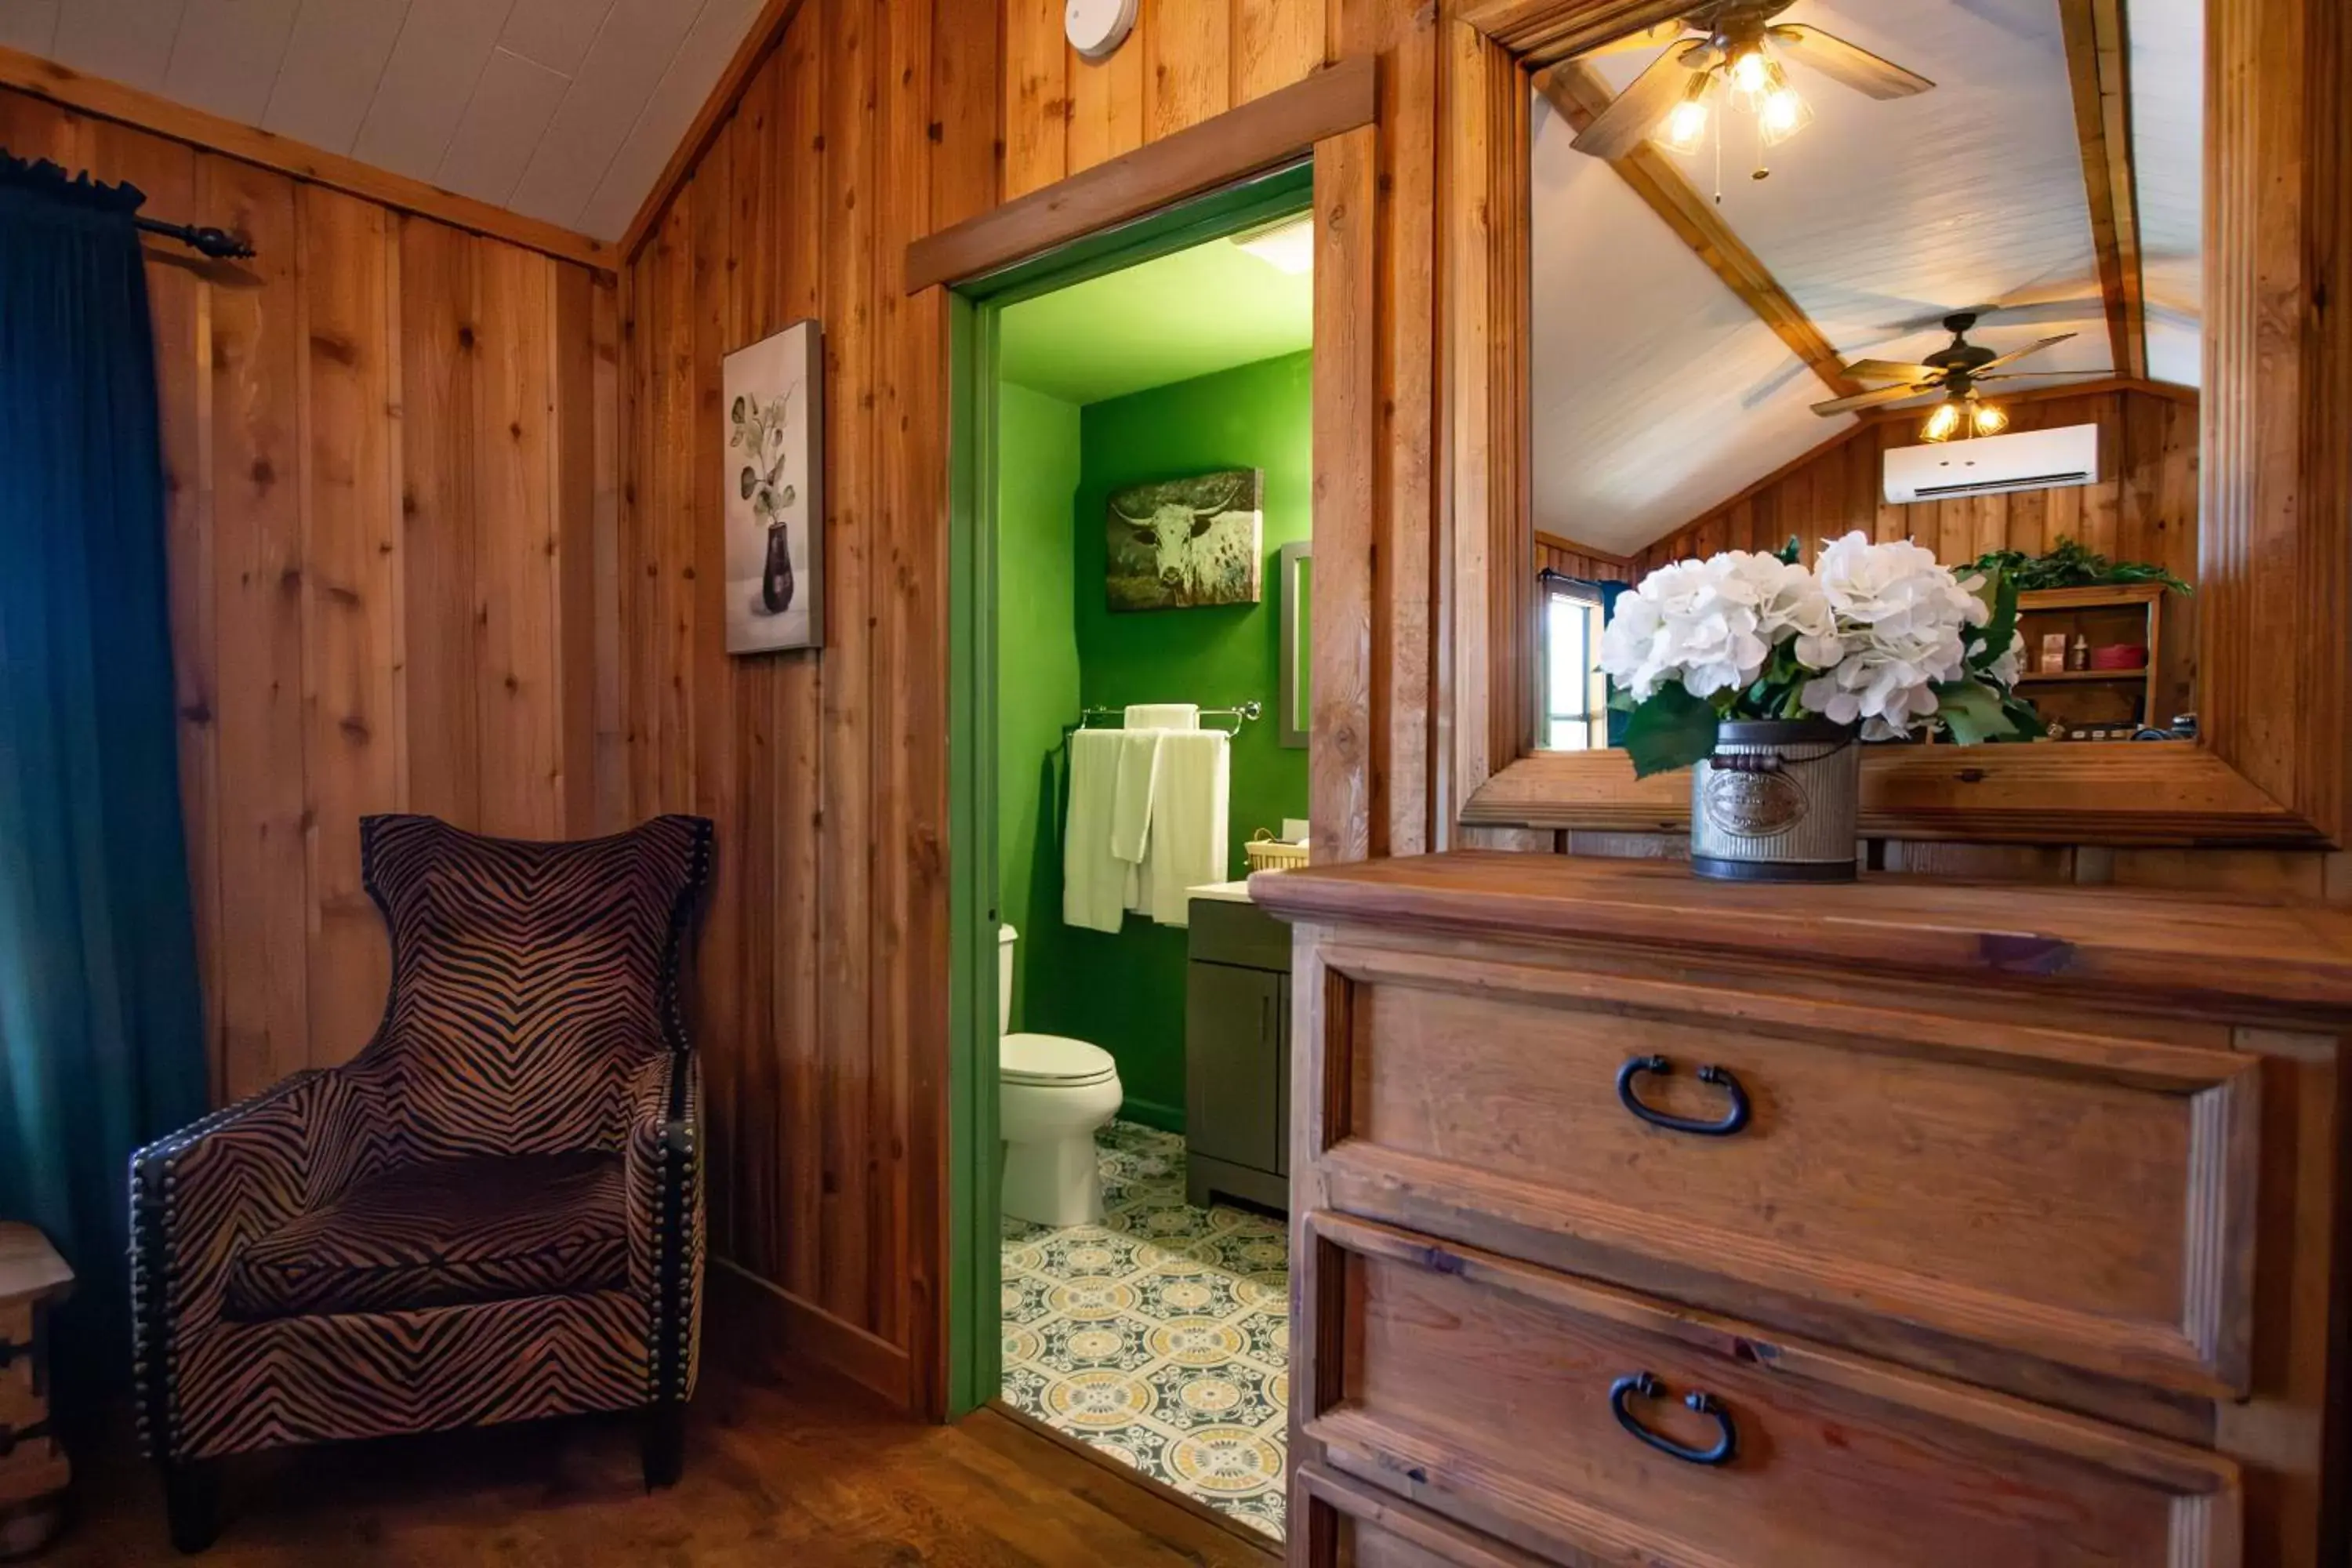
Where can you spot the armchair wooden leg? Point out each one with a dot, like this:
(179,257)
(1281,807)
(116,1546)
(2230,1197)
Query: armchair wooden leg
(192,1502)
(665,1442)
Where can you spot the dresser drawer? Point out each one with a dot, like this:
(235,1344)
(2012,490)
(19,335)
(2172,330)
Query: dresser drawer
(1553,1413)
(2082,1198)
(1363,1527)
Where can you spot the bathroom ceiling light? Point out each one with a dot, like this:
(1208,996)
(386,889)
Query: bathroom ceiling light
(1287,246)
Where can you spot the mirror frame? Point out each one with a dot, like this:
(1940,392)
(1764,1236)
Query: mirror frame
(2275,550)
(1294,722)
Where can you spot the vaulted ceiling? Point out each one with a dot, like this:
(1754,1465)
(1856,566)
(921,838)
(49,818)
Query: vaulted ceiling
(1660,390)
(562,110)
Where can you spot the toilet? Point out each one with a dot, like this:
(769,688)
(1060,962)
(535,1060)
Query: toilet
(1053,1092)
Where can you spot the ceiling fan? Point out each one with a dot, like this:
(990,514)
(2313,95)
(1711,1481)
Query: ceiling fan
(1954,372)
(1738,45)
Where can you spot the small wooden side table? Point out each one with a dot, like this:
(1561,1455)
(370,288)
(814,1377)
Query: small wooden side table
(33,1470)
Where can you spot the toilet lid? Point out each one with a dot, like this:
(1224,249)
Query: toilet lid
(1054,1058)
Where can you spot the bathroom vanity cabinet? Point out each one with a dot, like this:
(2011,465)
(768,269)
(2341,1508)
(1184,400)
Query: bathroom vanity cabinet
(1238,1056)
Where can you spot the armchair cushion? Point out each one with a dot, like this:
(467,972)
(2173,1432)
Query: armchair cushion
(443,1233)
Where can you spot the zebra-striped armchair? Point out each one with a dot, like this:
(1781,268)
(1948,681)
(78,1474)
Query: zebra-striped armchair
(493,1213)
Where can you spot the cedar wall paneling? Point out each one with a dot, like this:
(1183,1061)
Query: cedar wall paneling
(1187,61)
(1567,558)
(820,995)
(367,431)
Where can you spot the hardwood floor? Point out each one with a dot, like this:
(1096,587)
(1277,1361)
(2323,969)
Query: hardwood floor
(790,1465)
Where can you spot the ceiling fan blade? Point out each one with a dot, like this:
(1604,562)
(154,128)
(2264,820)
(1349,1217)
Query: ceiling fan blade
(1873,398)
(1849,63)
(1621,127)
(1890,370)
(2019,354)
(2043,374)
(1665,33)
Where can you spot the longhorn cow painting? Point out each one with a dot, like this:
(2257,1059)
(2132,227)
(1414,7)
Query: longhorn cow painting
(1185,544)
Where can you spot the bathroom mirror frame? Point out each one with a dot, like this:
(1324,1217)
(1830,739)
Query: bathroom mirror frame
(1294,580)
(2275,564)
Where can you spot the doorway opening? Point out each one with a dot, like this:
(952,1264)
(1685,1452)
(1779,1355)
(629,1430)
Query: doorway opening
(1133,430)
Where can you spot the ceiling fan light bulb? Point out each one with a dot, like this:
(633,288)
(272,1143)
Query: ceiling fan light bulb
(1986,419)
(1750,69)
(1685,127)
(1943,424)
(1784,113)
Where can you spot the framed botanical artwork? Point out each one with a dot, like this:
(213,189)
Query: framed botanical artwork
(1185,544)
(773,394)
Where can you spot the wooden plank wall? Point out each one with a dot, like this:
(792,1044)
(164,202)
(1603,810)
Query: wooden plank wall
(366,433)
(1569,559)
(1187,61)
(821,1001)
(2142,507)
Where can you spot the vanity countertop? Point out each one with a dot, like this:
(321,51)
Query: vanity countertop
(1234,892)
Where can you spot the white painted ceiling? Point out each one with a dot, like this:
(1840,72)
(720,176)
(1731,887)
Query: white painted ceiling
(563,109)
(1658,395)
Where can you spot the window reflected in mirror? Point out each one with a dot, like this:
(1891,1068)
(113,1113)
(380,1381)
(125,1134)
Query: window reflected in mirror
(1927,270)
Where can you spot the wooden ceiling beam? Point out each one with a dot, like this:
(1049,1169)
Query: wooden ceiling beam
(2098,69)
(1580,96)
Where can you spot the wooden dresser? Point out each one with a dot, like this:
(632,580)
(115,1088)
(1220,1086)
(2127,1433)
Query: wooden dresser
(1642,1220)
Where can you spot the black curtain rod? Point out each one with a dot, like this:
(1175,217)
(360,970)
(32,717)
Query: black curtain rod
(216,243)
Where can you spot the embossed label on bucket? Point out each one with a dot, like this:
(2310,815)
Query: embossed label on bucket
(1753,805)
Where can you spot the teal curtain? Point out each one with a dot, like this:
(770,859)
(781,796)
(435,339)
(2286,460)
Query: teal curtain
(101,1033)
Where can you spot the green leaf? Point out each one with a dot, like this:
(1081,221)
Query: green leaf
(1672,730)
(1788,555)
(748,482)
(2027,722)
(1998,630)
(1971,711)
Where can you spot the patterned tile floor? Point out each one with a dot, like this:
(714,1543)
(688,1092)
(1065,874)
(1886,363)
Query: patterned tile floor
(1161,1336)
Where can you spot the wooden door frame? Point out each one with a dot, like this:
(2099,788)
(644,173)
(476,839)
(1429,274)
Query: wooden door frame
(2275,693)
(1165,195)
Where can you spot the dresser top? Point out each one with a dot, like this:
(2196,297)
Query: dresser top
(2232,953)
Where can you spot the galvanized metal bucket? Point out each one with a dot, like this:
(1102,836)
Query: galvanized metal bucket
(1777,802)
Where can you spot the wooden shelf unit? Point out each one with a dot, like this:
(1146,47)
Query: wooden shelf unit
(2111,614)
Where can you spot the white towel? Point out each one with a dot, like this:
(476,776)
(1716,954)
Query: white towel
(1163,716)
(1130,812)
(1094,880)
(1189,810)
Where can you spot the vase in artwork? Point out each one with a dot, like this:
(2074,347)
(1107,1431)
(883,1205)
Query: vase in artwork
(776,577)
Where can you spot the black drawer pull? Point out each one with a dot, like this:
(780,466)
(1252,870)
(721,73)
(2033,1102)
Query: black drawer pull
(1647,1385)
(1732,1119)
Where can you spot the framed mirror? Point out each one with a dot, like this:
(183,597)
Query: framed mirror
(1295,574)
(1647,331)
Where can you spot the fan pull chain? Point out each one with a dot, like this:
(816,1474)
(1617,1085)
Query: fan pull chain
(1762,172)
(1720,118)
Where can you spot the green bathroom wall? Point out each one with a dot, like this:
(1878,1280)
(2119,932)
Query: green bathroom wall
(1127,993)
(1037,674)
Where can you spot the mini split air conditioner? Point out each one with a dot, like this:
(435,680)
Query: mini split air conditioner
(1994,464)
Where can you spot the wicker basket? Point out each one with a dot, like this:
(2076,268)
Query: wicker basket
(1268,854)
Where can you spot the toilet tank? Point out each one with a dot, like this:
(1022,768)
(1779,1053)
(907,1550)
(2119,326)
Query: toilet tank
(1005,937)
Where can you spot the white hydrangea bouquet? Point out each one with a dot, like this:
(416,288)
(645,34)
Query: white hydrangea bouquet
(1878,635)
